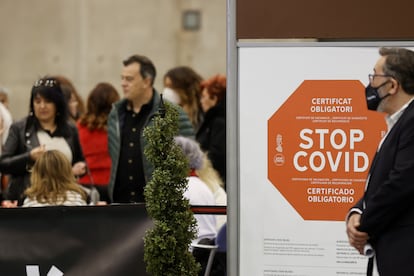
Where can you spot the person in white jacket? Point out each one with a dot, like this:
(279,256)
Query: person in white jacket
(5,116)
(5,122)
(198,193)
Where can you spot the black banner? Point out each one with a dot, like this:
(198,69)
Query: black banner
(73,241)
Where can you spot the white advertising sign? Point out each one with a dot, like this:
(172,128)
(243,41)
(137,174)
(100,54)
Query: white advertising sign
(306,143)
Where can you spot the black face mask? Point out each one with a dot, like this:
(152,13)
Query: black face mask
(372,96)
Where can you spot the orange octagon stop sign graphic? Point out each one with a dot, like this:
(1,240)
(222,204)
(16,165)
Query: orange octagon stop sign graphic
(320,145)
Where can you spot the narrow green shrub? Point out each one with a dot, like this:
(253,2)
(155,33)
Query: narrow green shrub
(166,245)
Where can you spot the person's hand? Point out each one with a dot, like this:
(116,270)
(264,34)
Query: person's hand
(356,238)
(9,203)
(79,168)
(37,152)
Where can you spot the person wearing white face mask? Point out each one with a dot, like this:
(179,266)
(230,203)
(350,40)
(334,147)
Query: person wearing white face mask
(182,86)
(170,95)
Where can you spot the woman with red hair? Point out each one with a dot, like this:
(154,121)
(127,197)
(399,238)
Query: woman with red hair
(212,132)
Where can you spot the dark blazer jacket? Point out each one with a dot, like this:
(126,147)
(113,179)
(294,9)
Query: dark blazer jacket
(115,124)
(15,159)
(388,214)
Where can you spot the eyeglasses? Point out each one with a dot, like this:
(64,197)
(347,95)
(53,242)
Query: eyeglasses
(372,76)
(45,82)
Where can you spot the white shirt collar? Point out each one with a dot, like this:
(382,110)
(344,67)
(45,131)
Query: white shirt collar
(392,119)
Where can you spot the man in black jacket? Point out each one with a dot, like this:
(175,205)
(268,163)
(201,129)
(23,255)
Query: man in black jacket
(384,218)
(130,169)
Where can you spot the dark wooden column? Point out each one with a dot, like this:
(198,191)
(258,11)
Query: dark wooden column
(325,19)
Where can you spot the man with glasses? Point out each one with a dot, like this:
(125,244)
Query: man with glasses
(384,218)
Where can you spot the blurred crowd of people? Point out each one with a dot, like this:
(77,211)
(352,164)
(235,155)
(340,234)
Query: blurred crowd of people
(67,153)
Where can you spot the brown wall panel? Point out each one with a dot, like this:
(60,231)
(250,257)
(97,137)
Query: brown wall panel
(325,19)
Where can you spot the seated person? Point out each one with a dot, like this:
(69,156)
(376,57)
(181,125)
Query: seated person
(198,193)
(211,177)
(52,182)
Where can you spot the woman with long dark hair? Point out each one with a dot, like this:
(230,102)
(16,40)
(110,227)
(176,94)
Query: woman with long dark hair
(47,127)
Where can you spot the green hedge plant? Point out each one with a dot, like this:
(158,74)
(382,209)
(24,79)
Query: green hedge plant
(166,249)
